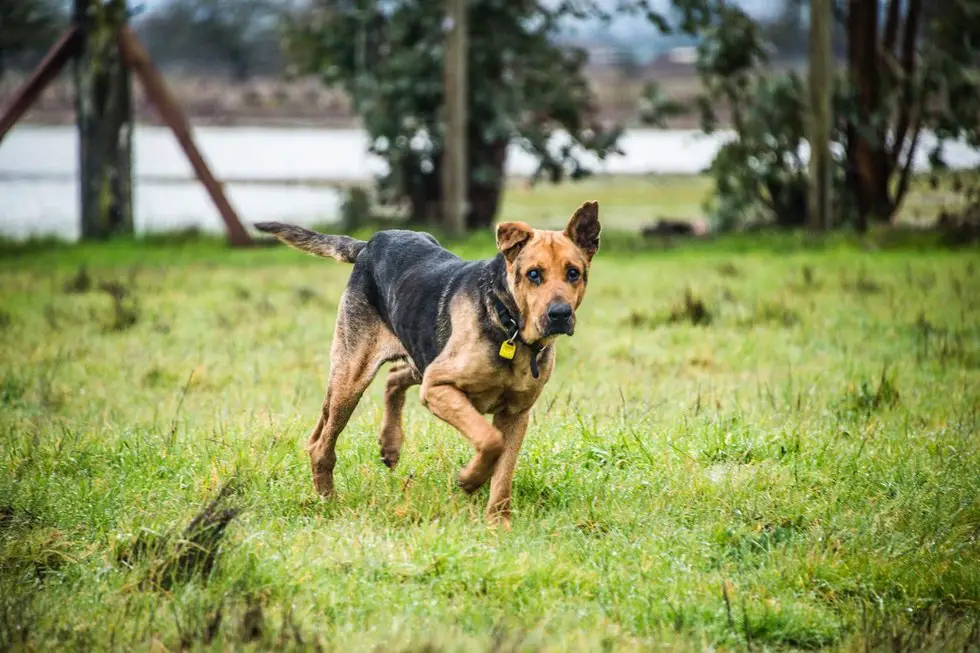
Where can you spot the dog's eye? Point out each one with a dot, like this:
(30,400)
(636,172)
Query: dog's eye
(573,274)
(534,275)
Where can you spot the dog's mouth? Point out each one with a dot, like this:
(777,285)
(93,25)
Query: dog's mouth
(559,328)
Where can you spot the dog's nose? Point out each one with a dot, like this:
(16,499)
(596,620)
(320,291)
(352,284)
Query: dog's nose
(559,312)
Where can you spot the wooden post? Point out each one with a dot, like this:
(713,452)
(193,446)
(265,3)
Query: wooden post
(171,114)
(54,61)
(105,121)
(454,163)
(821,90)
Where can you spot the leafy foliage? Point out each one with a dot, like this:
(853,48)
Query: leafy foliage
(950,81)
(27,29)
(389,56)
(761,175)
(915,72)
(237,35)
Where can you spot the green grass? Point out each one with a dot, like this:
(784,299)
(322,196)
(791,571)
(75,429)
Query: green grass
(628,202)
(631,202)
(796,470)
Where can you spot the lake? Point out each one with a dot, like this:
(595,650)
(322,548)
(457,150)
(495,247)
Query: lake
(273,173)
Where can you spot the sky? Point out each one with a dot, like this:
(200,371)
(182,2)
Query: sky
(638,36)
(642,38)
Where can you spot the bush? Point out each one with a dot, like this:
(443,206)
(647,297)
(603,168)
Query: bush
(761,177)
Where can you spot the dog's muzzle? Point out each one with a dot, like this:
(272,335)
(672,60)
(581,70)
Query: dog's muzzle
(560,320)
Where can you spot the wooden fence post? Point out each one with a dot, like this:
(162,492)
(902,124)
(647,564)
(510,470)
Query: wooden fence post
(821,109)
(455,182)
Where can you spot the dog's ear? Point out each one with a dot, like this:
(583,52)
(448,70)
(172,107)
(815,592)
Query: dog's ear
(583,229)
(512,237)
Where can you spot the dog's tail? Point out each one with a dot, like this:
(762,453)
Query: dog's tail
(341,248)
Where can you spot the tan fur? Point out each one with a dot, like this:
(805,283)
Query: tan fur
(552,253)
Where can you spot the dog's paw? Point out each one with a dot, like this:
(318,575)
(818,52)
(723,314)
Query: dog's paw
(389,458)
(470,482)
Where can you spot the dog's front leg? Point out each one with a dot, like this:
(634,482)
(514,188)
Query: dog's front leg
(450,405)
(512,427)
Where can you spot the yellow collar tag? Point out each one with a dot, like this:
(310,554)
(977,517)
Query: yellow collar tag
(507,349)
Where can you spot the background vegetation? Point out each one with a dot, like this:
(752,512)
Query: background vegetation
(907,81)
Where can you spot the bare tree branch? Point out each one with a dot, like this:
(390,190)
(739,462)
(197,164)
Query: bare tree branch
(911,35)
(906,174)
(908,65)
(891,26)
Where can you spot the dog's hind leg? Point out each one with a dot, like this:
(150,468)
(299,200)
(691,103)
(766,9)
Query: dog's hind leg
(361,344)
(401,377)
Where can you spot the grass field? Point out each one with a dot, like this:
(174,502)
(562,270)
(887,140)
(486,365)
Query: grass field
(635,201)
(745,446)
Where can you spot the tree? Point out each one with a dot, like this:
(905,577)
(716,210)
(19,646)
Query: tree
(104,114)
(524,88)
(27,29)
(238,35)
(788,32)
(903,84)
(760,176)
(910,69)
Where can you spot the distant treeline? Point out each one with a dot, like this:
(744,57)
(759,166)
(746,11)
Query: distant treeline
(240,39)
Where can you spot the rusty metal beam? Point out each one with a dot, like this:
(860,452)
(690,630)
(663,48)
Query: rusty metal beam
(53,62)
(169,110)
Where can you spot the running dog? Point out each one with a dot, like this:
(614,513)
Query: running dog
(479,336)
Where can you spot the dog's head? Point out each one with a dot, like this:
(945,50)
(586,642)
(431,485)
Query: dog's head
(547,271)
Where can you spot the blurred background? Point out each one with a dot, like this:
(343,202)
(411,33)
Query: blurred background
(688,116)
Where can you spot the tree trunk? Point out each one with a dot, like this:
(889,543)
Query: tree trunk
(483,190)
(105,125)
(869,167)
(484,194)
(424,190)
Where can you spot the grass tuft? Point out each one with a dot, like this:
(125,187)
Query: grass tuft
(868,397)
(771,311)
(861,284)
(729,270)
(125,313)
(692,310)
(80,283)
(177,560)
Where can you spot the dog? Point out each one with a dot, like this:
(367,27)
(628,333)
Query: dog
(478,336)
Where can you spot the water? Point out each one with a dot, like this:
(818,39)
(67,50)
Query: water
(272,173)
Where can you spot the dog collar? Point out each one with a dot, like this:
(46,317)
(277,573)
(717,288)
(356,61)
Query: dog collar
(508,348)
